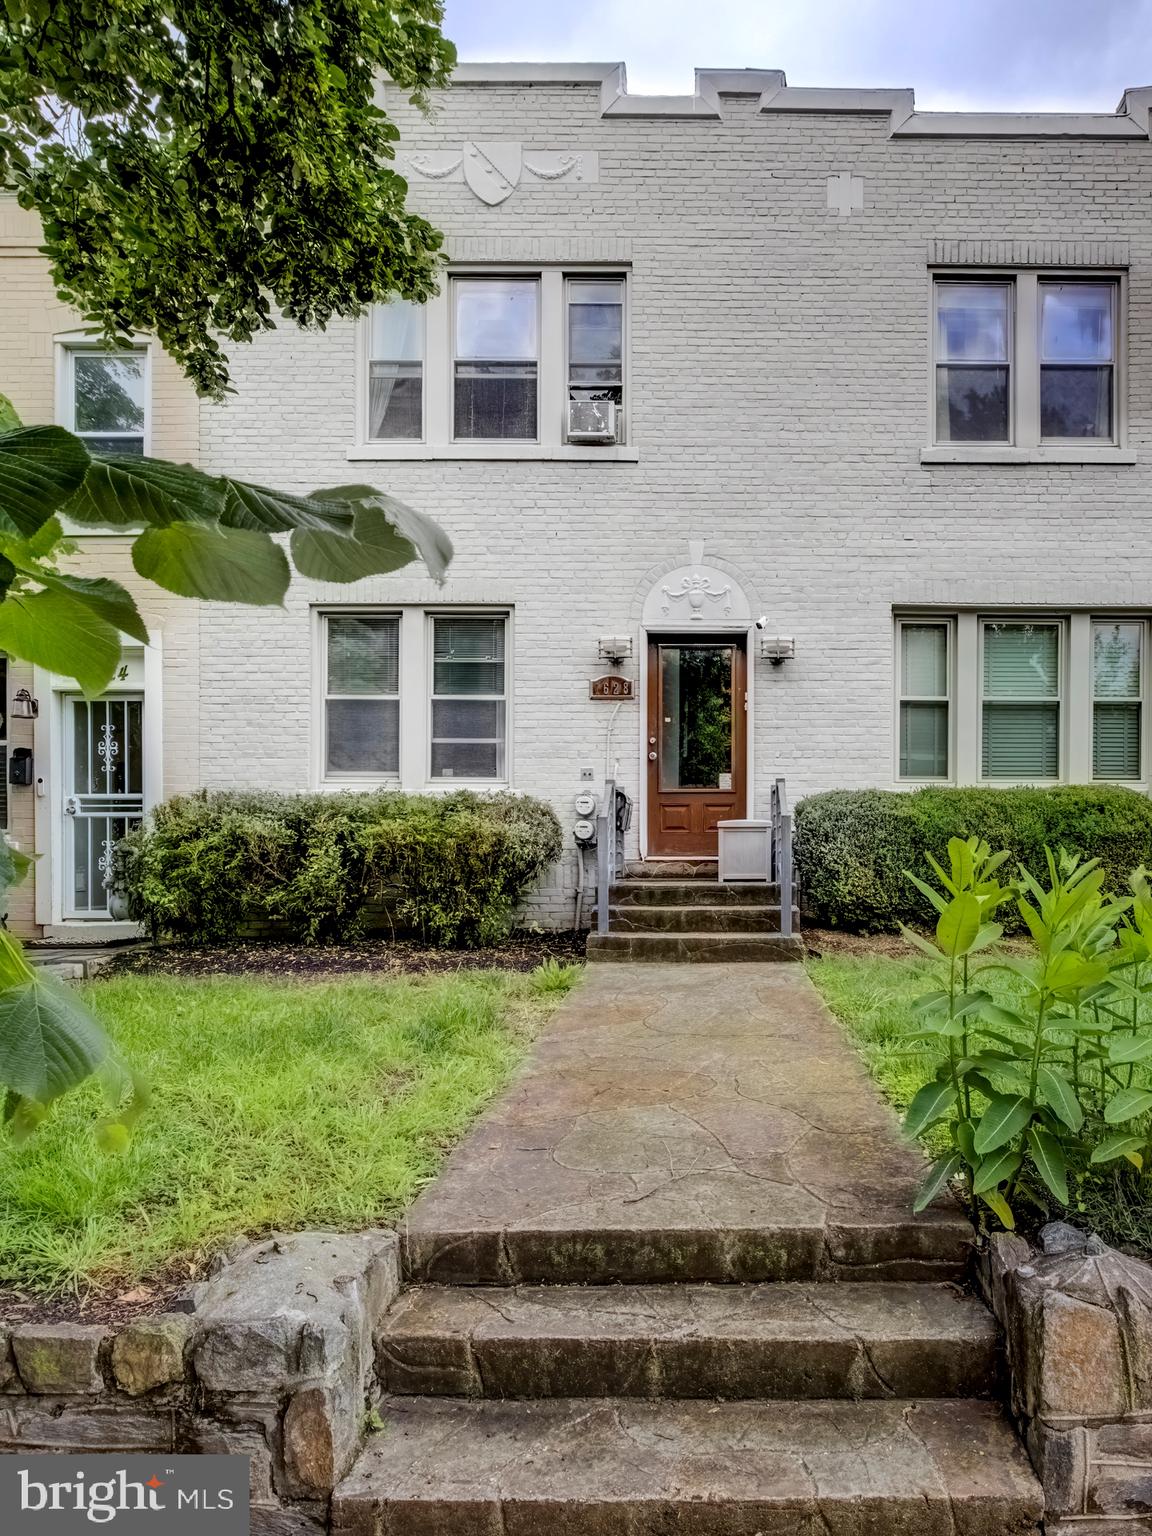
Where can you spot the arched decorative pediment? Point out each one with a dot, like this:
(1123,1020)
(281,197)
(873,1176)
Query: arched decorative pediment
(696,595)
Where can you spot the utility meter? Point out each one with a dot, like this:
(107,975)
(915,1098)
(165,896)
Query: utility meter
(585,803)
(584,831)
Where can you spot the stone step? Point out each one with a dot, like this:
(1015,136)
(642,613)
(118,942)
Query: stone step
(695,919)
(686,893)
(671,869)
(624,1467)
(685,1341)
(680,948)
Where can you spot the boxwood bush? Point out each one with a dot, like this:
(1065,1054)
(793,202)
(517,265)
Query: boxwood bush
(451,868)
(853,846)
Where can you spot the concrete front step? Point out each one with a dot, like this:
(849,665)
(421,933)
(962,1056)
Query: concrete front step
(686,1341)
(695,919)
(687,893)
(687,947)
(623,1467)
(671,869)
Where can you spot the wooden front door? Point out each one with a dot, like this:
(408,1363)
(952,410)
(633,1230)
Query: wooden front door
(697,735)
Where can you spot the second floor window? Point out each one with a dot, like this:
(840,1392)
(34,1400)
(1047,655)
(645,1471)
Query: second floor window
(495,357)
(105,398)
(1026,360)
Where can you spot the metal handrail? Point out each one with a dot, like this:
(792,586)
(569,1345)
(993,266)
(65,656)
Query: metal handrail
(782,853)
(609,852)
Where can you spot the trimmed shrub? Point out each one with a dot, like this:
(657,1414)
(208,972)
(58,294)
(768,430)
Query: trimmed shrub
(853,846)
(451,867)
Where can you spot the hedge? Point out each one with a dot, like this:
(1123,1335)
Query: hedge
(452,867)
(853,846)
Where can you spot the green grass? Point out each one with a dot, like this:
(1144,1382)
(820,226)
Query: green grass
(275,1105)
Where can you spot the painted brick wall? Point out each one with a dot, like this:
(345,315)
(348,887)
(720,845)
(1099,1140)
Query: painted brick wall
(779,404)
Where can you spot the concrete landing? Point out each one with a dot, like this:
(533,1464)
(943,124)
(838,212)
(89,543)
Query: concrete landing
(595,1467)
(704,1122)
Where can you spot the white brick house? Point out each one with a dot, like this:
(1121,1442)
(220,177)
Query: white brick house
(883,378)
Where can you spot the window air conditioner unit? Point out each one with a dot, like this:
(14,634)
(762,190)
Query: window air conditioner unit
(591,421)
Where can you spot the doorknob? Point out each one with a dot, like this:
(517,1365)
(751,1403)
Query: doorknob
(651,757)
(70,806)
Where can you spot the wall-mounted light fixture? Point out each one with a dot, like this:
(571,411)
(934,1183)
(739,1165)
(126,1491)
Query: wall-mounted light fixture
(24,706)
(615,648)
(778,649)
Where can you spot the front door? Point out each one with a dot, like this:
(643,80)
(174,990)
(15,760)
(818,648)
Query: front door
(103,794)
(697,721)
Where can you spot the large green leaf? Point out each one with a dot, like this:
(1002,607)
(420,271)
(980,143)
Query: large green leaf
(255,506)
(373,549)
(958,925)
(930,1104)
(996,1169)
(1048,1155)
(1127,1104)
(123,490)
(937,1177)
(1128,1048)
(49,1042)
(40,468)
(1060,1096)
(56,630)
(9,420)
(1005,1117)
(227,565)
(106,598)
(1123,1144)
(432,544)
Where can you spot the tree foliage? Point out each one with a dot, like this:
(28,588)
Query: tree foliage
(197,164)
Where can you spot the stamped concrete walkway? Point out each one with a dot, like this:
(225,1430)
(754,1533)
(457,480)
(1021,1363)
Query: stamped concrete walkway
(704,1122)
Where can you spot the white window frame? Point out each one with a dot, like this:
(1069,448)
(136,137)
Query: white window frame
(551,378)
(1096,620)
(350,777)
(948,624)
(67,349)
(416,676)
(536,280)
(465,612)
(1025,444)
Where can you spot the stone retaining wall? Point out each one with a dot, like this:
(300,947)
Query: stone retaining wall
(1077,1321)
(275,1362)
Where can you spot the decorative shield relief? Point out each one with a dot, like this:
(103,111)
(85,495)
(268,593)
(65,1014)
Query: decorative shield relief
(493,170)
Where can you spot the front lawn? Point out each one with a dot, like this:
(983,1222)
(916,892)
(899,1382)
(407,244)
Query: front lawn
(276,1105)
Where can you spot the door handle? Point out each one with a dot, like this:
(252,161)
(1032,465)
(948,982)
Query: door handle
(70,806)
(651,757)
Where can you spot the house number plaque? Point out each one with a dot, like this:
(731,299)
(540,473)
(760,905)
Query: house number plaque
(612,687)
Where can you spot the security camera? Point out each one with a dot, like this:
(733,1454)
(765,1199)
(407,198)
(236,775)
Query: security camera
(762,621)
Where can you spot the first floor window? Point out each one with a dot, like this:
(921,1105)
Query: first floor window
(1021,701)
(1117,699)
(468,697)
(105,402)
(362,695)
(924,691)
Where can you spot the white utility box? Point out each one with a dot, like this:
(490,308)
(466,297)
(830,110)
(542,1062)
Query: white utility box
(745,851)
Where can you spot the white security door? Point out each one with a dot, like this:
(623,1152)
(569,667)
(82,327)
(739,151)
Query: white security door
(103,794)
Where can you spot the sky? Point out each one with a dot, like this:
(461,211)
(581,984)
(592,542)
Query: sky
(1047,55)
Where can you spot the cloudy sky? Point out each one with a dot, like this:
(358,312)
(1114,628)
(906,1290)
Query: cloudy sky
(1044,54)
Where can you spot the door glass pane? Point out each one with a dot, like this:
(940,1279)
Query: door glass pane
(363,653)
(696,717)
(1021,661)
(924,661)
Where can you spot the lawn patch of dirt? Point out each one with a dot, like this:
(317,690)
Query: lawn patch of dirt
(834,941)
(521,951)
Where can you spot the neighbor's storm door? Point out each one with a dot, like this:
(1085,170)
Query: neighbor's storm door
(103,794)
(697,732)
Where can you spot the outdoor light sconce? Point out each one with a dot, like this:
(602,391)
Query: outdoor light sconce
(777,650)
(615,648)
(24,706)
